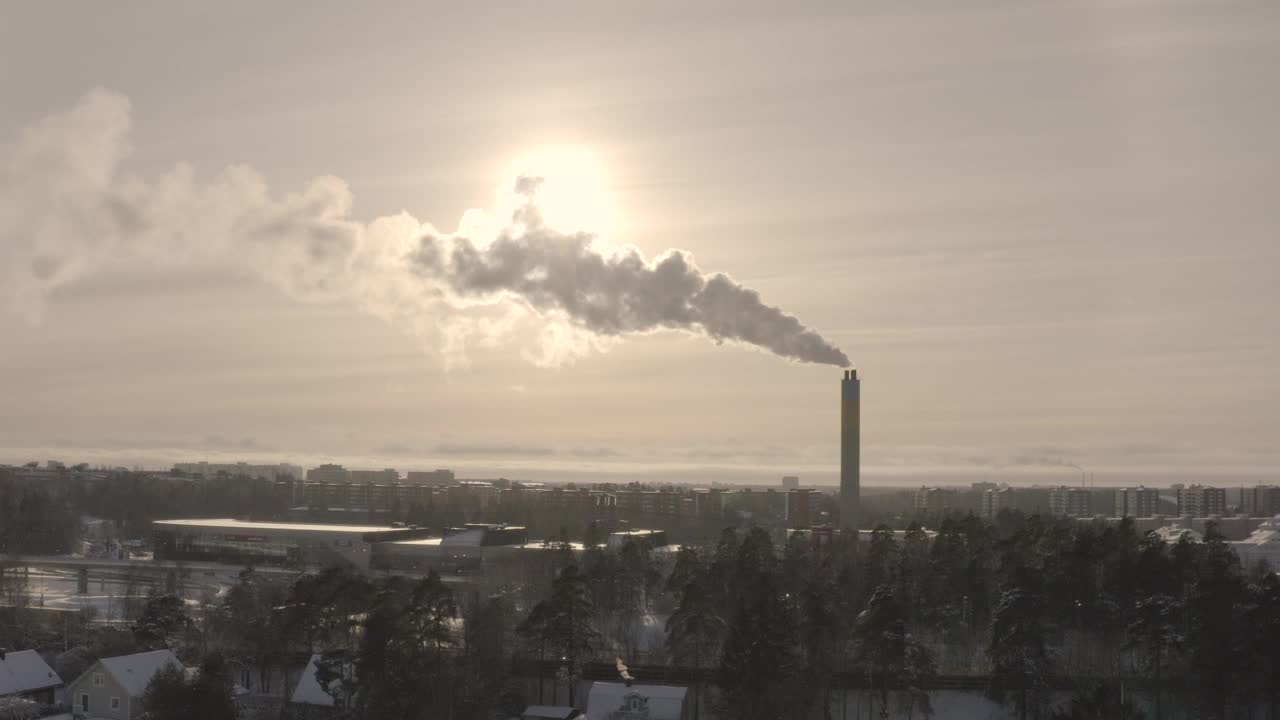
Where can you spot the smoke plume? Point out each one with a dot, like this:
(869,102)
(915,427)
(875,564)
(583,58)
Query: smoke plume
(69,209)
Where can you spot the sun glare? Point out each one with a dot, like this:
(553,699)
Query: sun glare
(575,194)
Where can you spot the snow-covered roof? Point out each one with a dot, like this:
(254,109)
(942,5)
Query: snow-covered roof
(1174,533)
(471,537)
(233,524)
(1268,532)
(550,712)
(664,702)
(133,672)
(25,671)
(309,691)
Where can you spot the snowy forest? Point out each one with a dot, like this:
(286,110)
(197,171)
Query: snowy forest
(1018,608)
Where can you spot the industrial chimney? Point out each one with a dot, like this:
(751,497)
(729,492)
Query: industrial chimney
(850,410)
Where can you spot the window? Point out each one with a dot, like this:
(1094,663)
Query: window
(98,680)
(115,703)
(84,702)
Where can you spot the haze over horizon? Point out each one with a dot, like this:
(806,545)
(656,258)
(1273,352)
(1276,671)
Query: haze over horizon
(1040,233)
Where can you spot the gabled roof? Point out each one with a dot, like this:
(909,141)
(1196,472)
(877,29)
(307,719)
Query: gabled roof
(664,702)
(25,671)
(309,691)
(133,672)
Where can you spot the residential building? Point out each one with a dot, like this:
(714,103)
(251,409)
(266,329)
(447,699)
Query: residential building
(993,501)
(1260,501)
(432,477)
(930,501)
(624,701)
(1201,501)
(329,473)
(799,508)
(1070,502)
(790,482)
(1139,502)
(25,674)
(278,471)
(112,687)
(387,476)
(708,503)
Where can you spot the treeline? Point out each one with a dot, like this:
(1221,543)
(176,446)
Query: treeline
(36,520)
(43,517)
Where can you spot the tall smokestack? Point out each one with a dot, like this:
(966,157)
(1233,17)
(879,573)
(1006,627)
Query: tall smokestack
(850,480)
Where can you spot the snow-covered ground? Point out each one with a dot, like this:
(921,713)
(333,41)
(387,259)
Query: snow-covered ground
(108,596)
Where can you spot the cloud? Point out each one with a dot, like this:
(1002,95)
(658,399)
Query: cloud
(596,452)
(499,449)
(69,207)
(222,442)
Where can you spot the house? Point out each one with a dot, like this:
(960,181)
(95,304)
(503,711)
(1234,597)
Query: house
(619,701)
(112,688)
(25,674)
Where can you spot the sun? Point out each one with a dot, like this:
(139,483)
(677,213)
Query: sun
(575,194)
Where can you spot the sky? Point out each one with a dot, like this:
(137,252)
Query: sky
(1043,232)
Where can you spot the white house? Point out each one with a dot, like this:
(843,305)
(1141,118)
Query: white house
(112,688)
(26,674)
(618,701)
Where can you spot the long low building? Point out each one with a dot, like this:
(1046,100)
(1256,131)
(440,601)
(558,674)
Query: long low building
(273,543)
(461,550)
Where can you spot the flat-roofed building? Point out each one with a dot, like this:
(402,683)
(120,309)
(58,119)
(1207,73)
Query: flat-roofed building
(329,473)
(429,477)
(1139,502)
(930,501)
(1202,501)
(993,501)
(271,543)
(278,471)
(1260,501)
(800,508)
(1070,502)
(386,476)
(648,538)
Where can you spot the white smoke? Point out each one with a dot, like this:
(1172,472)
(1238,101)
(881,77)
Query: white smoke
(68,208)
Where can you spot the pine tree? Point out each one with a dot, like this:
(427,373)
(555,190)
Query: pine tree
(1019,656)
(1155,629)
(758,663)
(895,663)
(695,631)
(1264,643)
